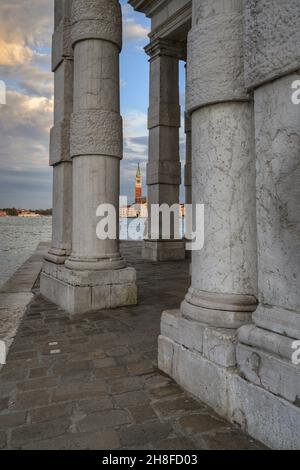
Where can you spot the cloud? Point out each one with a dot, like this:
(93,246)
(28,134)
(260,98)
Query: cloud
(12,53)
(133,30)
(25,48)
(25,41)
(25,123)
(135,135)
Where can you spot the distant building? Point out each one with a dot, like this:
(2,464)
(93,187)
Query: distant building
(139,208)
(138,186)
(3,213)
(27,213)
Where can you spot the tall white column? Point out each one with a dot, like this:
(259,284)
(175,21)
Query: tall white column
(224,275)
(96,135)
(265,351)
(60,160)
(95,275)
(197,346)
(248,177)
(164,168)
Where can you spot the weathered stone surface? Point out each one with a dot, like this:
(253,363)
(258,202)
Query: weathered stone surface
(106,289)
(254,408)
(97,20)
(86,138)
(60,143)
(215,74)
(61,43)
(274,374)
(185,332)
(219,346)
(271,40)
(270,342)
(278,192)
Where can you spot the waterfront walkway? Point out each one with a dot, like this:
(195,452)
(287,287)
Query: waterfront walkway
(91,382)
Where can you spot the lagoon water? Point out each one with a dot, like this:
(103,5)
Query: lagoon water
(19,238)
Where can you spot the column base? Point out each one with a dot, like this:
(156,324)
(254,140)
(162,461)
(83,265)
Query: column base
(57,256)
(202,360)
(88,291)
(163,250)
(220,310)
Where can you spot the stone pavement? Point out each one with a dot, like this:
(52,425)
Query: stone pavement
(90,381)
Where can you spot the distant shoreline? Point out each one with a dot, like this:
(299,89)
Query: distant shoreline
(25,213)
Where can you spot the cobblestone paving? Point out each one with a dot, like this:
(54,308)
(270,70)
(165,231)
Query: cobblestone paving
(90,381)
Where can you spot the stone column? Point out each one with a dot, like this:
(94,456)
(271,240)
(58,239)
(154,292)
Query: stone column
(197,343)
(247,375)
(164,168)
(188,149)
(96,276)
(265,350)
(60,160)
(188,160)
(224,275)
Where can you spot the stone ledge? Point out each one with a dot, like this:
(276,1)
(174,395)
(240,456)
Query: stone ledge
(270,372)
(266,340)
(279,320)
(242,403)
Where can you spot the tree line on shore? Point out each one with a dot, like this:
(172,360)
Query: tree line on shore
(13,212)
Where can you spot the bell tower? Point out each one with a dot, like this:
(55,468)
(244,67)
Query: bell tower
(138,186)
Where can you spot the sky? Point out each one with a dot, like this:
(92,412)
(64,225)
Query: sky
(26,28)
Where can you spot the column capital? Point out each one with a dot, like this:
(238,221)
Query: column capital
(167,48)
